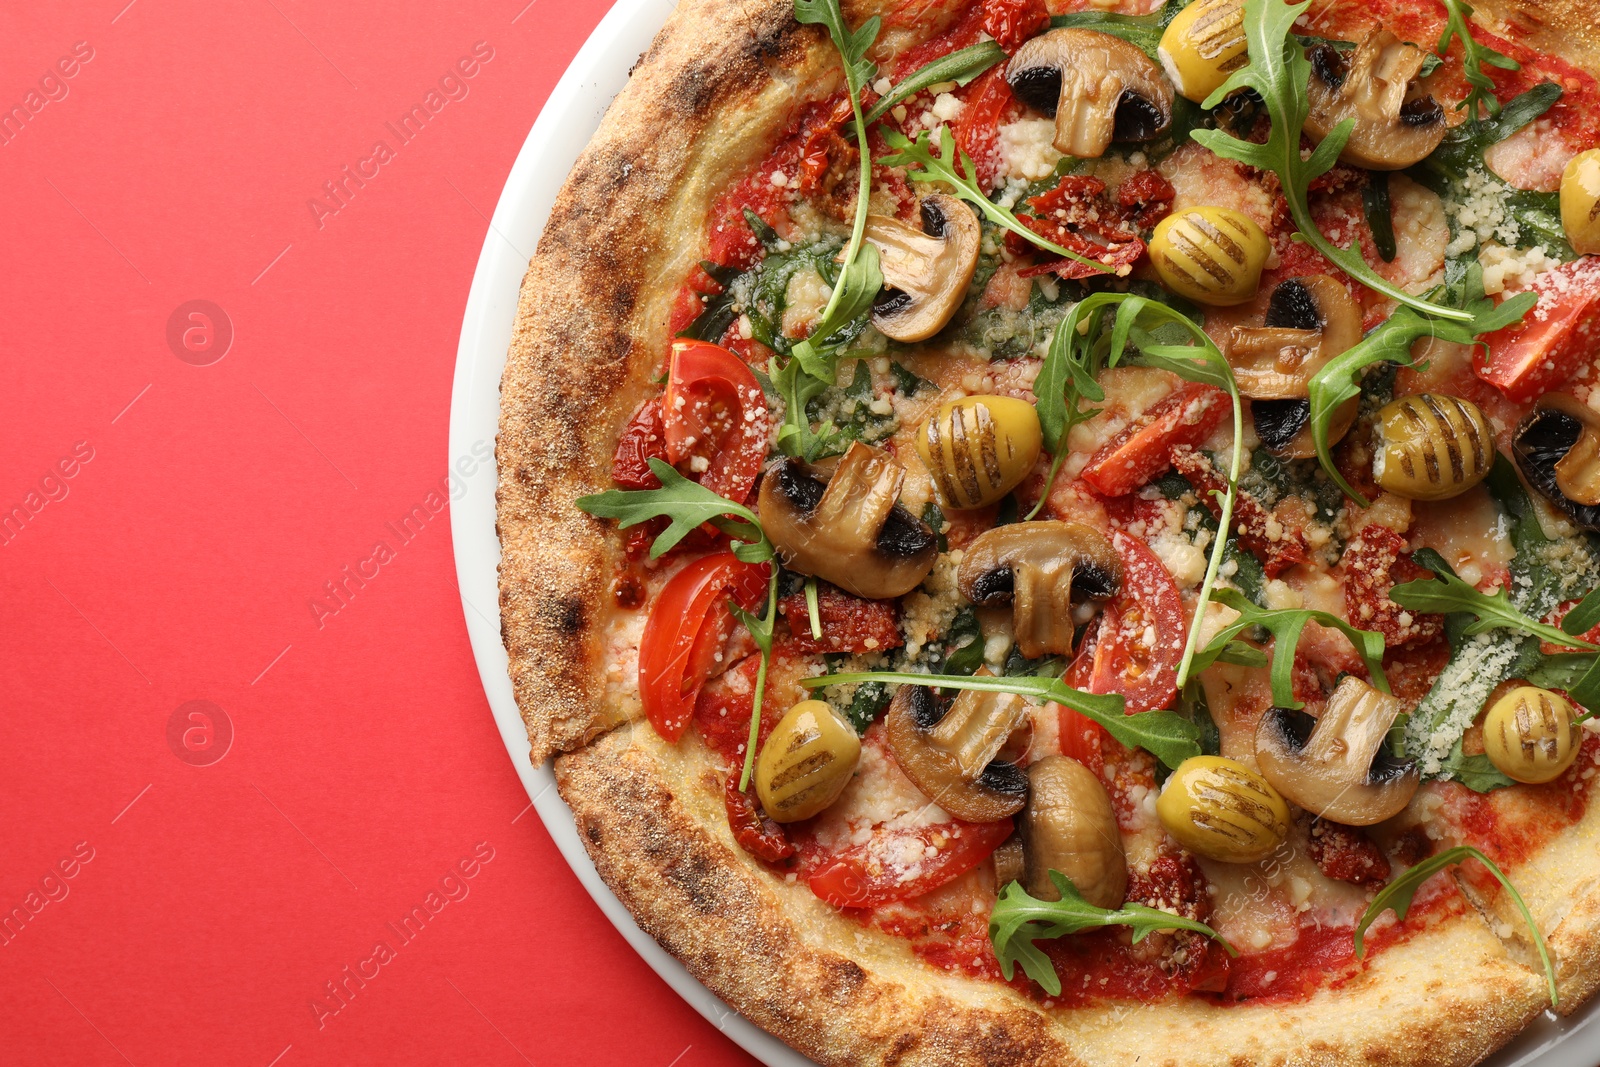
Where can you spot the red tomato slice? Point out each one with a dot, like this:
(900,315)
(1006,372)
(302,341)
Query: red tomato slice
(688,625)
(1553,340)
(1185,416)
(713,410)
(895,865)
(1140,639)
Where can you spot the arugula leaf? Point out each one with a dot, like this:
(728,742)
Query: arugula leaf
(1473,57)
(1584,616)
(868,703)
(1285,626)
(960,66)
(942,168)
(1477,773)
(1398,894)
(1170,738)
(859,278)
(761,632)
(1390,342)
(1279,72)
(1018,920)
(813,614)
(906,382)
(795,435)
(1445,593)
(689,505)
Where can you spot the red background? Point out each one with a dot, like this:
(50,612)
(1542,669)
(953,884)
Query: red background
(180,562)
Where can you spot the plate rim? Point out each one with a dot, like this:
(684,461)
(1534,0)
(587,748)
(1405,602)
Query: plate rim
(563,127)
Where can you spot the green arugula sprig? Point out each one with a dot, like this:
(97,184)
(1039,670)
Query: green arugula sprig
(1390,342)
(1079,349)
(1018,920)
(860,278)
(944,168)
(689,506)
(1397,895)
(1279,72)
(1445,593)
(960,66)
(1143,31)
(1169,737)
(1584,616)
(1473,58)
(1285,626)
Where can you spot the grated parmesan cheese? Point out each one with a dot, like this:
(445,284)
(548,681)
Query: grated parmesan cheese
(1513,269)
(1027,149)
(1479,665)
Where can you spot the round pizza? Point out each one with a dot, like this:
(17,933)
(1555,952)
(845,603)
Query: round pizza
(1065,531)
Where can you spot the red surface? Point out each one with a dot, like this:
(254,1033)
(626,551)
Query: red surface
(181,560)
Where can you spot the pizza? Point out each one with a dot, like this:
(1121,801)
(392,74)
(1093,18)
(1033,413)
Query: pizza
(1052,532)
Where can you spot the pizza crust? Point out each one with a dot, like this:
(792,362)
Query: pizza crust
(720,82)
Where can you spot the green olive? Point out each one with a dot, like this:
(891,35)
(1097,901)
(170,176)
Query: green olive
(1580,201)
(806,763)
(1432,446)
(979,448)
(1202,45)
(1210,254)
(1221,809)
(1530,735)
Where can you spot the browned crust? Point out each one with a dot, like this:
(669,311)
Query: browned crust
(721,80)
(842,994)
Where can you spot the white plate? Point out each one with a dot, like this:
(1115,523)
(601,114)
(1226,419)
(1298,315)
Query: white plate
(564,127)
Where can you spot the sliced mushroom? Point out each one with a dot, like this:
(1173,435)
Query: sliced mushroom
(1097,87)
(848,529)
(1035,566)
(1337,766)
(1557,446)
(1308,322)
(1071,827)
(949,752)
(1396,122)
(926,270)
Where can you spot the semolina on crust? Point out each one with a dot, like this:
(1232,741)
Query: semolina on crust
(722,80)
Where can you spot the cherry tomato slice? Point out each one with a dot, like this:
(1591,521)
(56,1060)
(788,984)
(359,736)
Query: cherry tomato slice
(688,625)
(896,864)
(1012,22)
(1185,416)
(1141,634)
(758,835)
(1553,340)
(977,131)
(713,410)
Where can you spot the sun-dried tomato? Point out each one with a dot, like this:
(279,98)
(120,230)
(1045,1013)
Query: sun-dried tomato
(1077,216)
(1145,198)
(643,439)
(758,835)
(1260,531)
(849,623)
(1011,22)
(1345,854)
(1374,562)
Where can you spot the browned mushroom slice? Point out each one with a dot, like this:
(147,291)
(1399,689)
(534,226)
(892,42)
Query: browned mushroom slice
(849,529)
(949,752)
(1557,449)
(1337,765)
(1396,124)
(1034,566)
(1308,322)
(926,270)
(1097,87)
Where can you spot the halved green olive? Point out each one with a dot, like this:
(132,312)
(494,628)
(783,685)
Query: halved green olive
(1210,254)
(979,448)
(1531,735)
(1432,446)
(1221,809)
(806,763)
